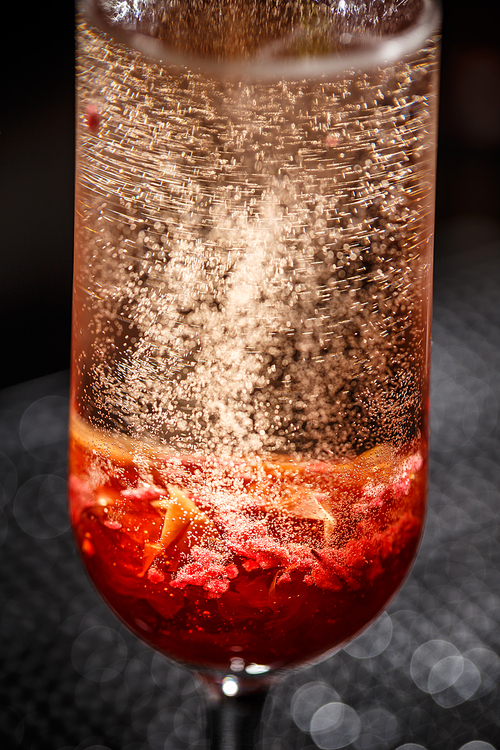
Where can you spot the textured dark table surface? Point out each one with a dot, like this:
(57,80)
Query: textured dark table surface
(425,675)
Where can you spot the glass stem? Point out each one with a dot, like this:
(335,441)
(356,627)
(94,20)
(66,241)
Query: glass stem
(234,721)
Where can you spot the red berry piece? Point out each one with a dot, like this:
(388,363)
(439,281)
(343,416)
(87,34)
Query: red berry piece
(93,118)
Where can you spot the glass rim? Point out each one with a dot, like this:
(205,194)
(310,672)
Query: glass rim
(382,52)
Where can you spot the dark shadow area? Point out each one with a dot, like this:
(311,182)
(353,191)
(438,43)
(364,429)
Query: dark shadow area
(468,182)
(36,189)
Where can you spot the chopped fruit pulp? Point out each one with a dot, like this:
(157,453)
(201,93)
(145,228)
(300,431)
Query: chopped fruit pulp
(276,560)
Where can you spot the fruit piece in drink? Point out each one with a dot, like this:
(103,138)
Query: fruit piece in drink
(273,560)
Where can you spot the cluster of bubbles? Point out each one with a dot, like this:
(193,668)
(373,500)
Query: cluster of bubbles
(259,254)
(424,676)
(242,29)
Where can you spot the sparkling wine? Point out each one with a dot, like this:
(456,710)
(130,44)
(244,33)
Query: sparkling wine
(250,563)
(253,259)
(251,318)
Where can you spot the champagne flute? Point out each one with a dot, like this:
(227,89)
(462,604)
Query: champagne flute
(253,255)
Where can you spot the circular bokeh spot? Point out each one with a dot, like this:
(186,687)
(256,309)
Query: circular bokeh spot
(4,527)
(306,700)
(379,729)
(426,657)
(43,425)
(11,726)
(488,665)
(462,689)
(17,628)
(445,673)
(40,506)
(334,725)
(373,640)
(8,479)
(99,654)
(44,612)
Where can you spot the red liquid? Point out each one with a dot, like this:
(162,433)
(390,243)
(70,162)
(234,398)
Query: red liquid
(272,562)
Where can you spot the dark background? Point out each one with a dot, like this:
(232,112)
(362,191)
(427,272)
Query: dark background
(36,168)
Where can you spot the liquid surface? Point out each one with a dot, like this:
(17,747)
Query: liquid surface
(270,562)
(236,29)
